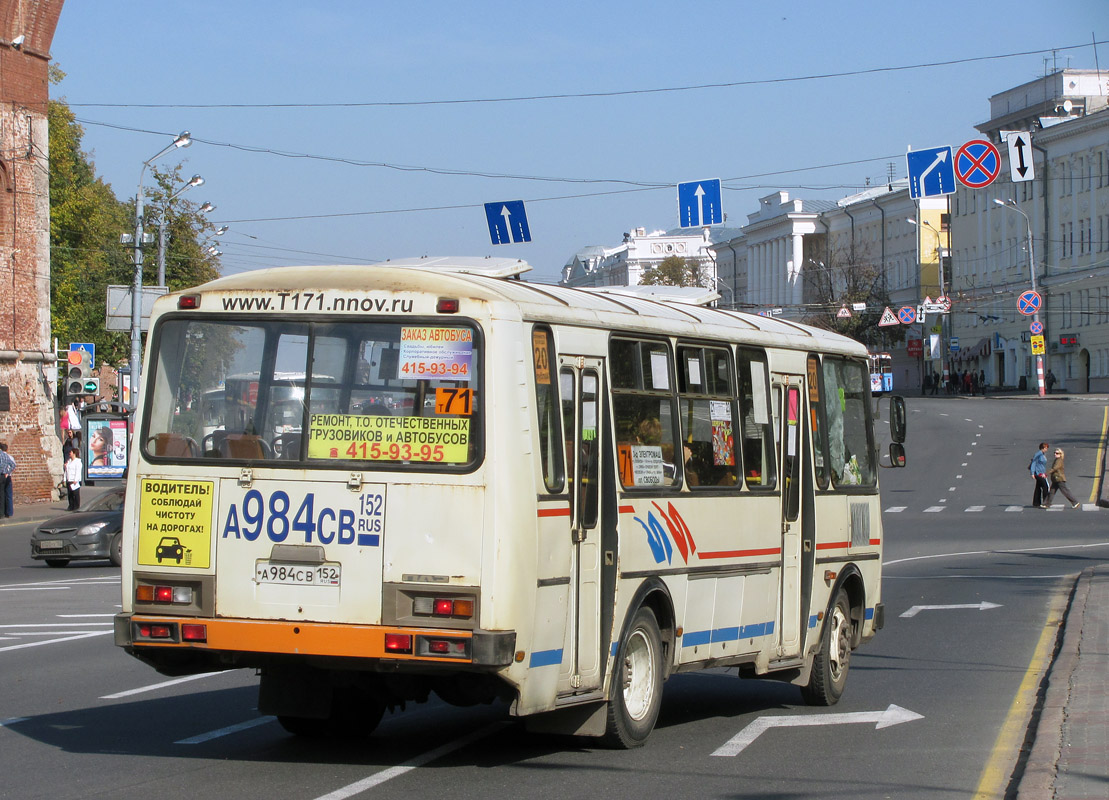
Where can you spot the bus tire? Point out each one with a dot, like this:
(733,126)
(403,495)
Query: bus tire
(829,670)
(636,684)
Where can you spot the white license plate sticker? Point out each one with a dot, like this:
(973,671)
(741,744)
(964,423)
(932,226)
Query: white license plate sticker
(51,545)
(328,574)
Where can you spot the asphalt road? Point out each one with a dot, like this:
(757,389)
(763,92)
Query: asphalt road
(81,719)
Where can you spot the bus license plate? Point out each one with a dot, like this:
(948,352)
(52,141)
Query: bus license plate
(297,574)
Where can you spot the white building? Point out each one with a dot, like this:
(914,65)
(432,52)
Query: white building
(624,264)
(1065,210)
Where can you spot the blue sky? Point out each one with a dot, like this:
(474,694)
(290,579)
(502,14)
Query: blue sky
(346,190)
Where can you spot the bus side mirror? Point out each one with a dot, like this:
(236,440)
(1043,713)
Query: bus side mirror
(897,454)
(897,420)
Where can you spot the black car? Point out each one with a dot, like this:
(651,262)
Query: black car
(93,531)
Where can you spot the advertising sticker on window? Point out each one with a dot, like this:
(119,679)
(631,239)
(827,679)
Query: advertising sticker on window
(431,352)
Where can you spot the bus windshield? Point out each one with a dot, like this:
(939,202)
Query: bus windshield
(391,392)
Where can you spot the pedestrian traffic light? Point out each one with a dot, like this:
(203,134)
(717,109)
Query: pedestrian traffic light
(80,372)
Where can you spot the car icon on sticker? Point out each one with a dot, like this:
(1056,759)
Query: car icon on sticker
(170,547)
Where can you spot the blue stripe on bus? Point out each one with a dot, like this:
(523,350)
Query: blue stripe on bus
(697,638)
(870,613)
(813,620)
(545,658)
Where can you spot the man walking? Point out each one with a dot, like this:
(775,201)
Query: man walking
(1038,468)
(7,467)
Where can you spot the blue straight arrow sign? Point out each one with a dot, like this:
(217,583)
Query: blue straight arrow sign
(699,204)
(508,222)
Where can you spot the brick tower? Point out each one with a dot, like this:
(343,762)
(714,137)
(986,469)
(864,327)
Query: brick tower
(28,375)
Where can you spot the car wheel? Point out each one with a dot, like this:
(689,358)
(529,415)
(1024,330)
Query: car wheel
(57,562)
(115,550)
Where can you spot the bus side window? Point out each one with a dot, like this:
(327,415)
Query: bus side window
(546,407)
(759,460)
(707,414)
(850,454)
(643,403)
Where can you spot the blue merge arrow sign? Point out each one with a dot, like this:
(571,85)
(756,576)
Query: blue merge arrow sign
(931,172)
(699,204)
(508,223)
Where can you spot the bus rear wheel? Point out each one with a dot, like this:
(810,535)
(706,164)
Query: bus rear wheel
(829,670)
(637,684)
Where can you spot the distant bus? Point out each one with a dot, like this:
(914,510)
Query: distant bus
(881,373)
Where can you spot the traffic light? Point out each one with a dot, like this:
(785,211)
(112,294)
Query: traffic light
(80,373)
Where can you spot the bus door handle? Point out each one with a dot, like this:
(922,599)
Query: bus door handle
(577,535)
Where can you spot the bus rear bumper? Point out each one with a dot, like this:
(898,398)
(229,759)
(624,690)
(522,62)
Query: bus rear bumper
(165,641)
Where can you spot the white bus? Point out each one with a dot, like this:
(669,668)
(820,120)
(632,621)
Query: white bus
(499,489)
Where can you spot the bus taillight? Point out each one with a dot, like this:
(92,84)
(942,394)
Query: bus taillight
(194,633)
(180,595)
(443,606)
(398,643)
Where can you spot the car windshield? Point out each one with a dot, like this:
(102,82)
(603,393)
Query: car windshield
(109,501)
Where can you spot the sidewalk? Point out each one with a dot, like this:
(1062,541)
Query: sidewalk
(1069,755)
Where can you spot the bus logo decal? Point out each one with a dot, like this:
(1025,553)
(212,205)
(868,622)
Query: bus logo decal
(659,542)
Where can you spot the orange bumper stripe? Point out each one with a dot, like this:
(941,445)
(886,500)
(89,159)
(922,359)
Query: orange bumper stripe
(299,638)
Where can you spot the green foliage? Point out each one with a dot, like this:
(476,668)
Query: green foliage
(86,256)
(675,271)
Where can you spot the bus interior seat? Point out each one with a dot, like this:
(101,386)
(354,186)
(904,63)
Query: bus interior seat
(174,445)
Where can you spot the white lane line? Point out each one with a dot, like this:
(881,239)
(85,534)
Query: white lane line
(72,637)
(951,488)
(975,509)
(977,434)
(54,624)
(242,726)
(997,552)
(84,616)
(958,477)
(1014,508)
(970,452)
(156,686)
(395,772)
(895,509)
(934,509)
(34,588)
(974,444)
(963,464)
(64,583)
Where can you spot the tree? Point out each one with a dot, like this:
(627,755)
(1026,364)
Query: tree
(846,277)
(676,271)
(86,256)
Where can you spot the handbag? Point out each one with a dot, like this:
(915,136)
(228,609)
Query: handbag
(61,490)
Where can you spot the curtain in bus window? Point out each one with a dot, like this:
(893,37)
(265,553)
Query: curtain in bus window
(707,416)
(816,411)
(590,447)
(643,404)
(850,456)
(759,458)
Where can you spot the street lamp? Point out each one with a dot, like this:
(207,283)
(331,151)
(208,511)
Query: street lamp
(195,180)
(183,140)
(943,290)
(1011,204)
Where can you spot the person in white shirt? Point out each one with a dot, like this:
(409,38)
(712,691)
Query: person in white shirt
(73,469)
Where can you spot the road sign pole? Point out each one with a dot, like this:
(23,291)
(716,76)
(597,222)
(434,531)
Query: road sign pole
(1032,275)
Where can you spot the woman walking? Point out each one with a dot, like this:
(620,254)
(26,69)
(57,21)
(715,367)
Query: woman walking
(1059,480)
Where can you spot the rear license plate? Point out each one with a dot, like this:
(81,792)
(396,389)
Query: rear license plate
(51,545)
(298,574)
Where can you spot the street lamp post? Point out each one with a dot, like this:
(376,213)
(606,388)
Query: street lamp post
(182,140)
(195,180)
(721,285)
(943,289)
(1032,275)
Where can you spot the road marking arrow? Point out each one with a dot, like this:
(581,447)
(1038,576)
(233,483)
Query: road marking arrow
(983,606)
(894,715)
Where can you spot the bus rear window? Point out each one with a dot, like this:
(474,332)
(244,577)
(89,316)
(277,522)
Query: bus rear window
(395,394)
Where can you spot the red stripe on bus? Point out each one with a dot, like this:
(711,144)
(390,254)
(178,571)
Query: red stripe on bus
(627,509)
(875,542)
(770,551)
(553,512)
(833,546)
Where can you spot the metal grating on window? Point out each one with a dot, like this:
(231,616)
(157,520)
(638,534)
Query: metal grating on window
(860,524)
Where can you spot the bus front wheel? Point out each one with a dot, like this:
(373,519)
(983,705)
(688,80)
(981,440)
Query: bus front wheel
(637,684)
(829,669)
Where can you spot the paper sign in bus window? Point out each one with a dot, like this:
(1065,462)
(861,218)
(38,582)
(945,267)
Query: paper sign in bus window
(660,370)
(373,437)
(641,465)
(723,440)
(432,352)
